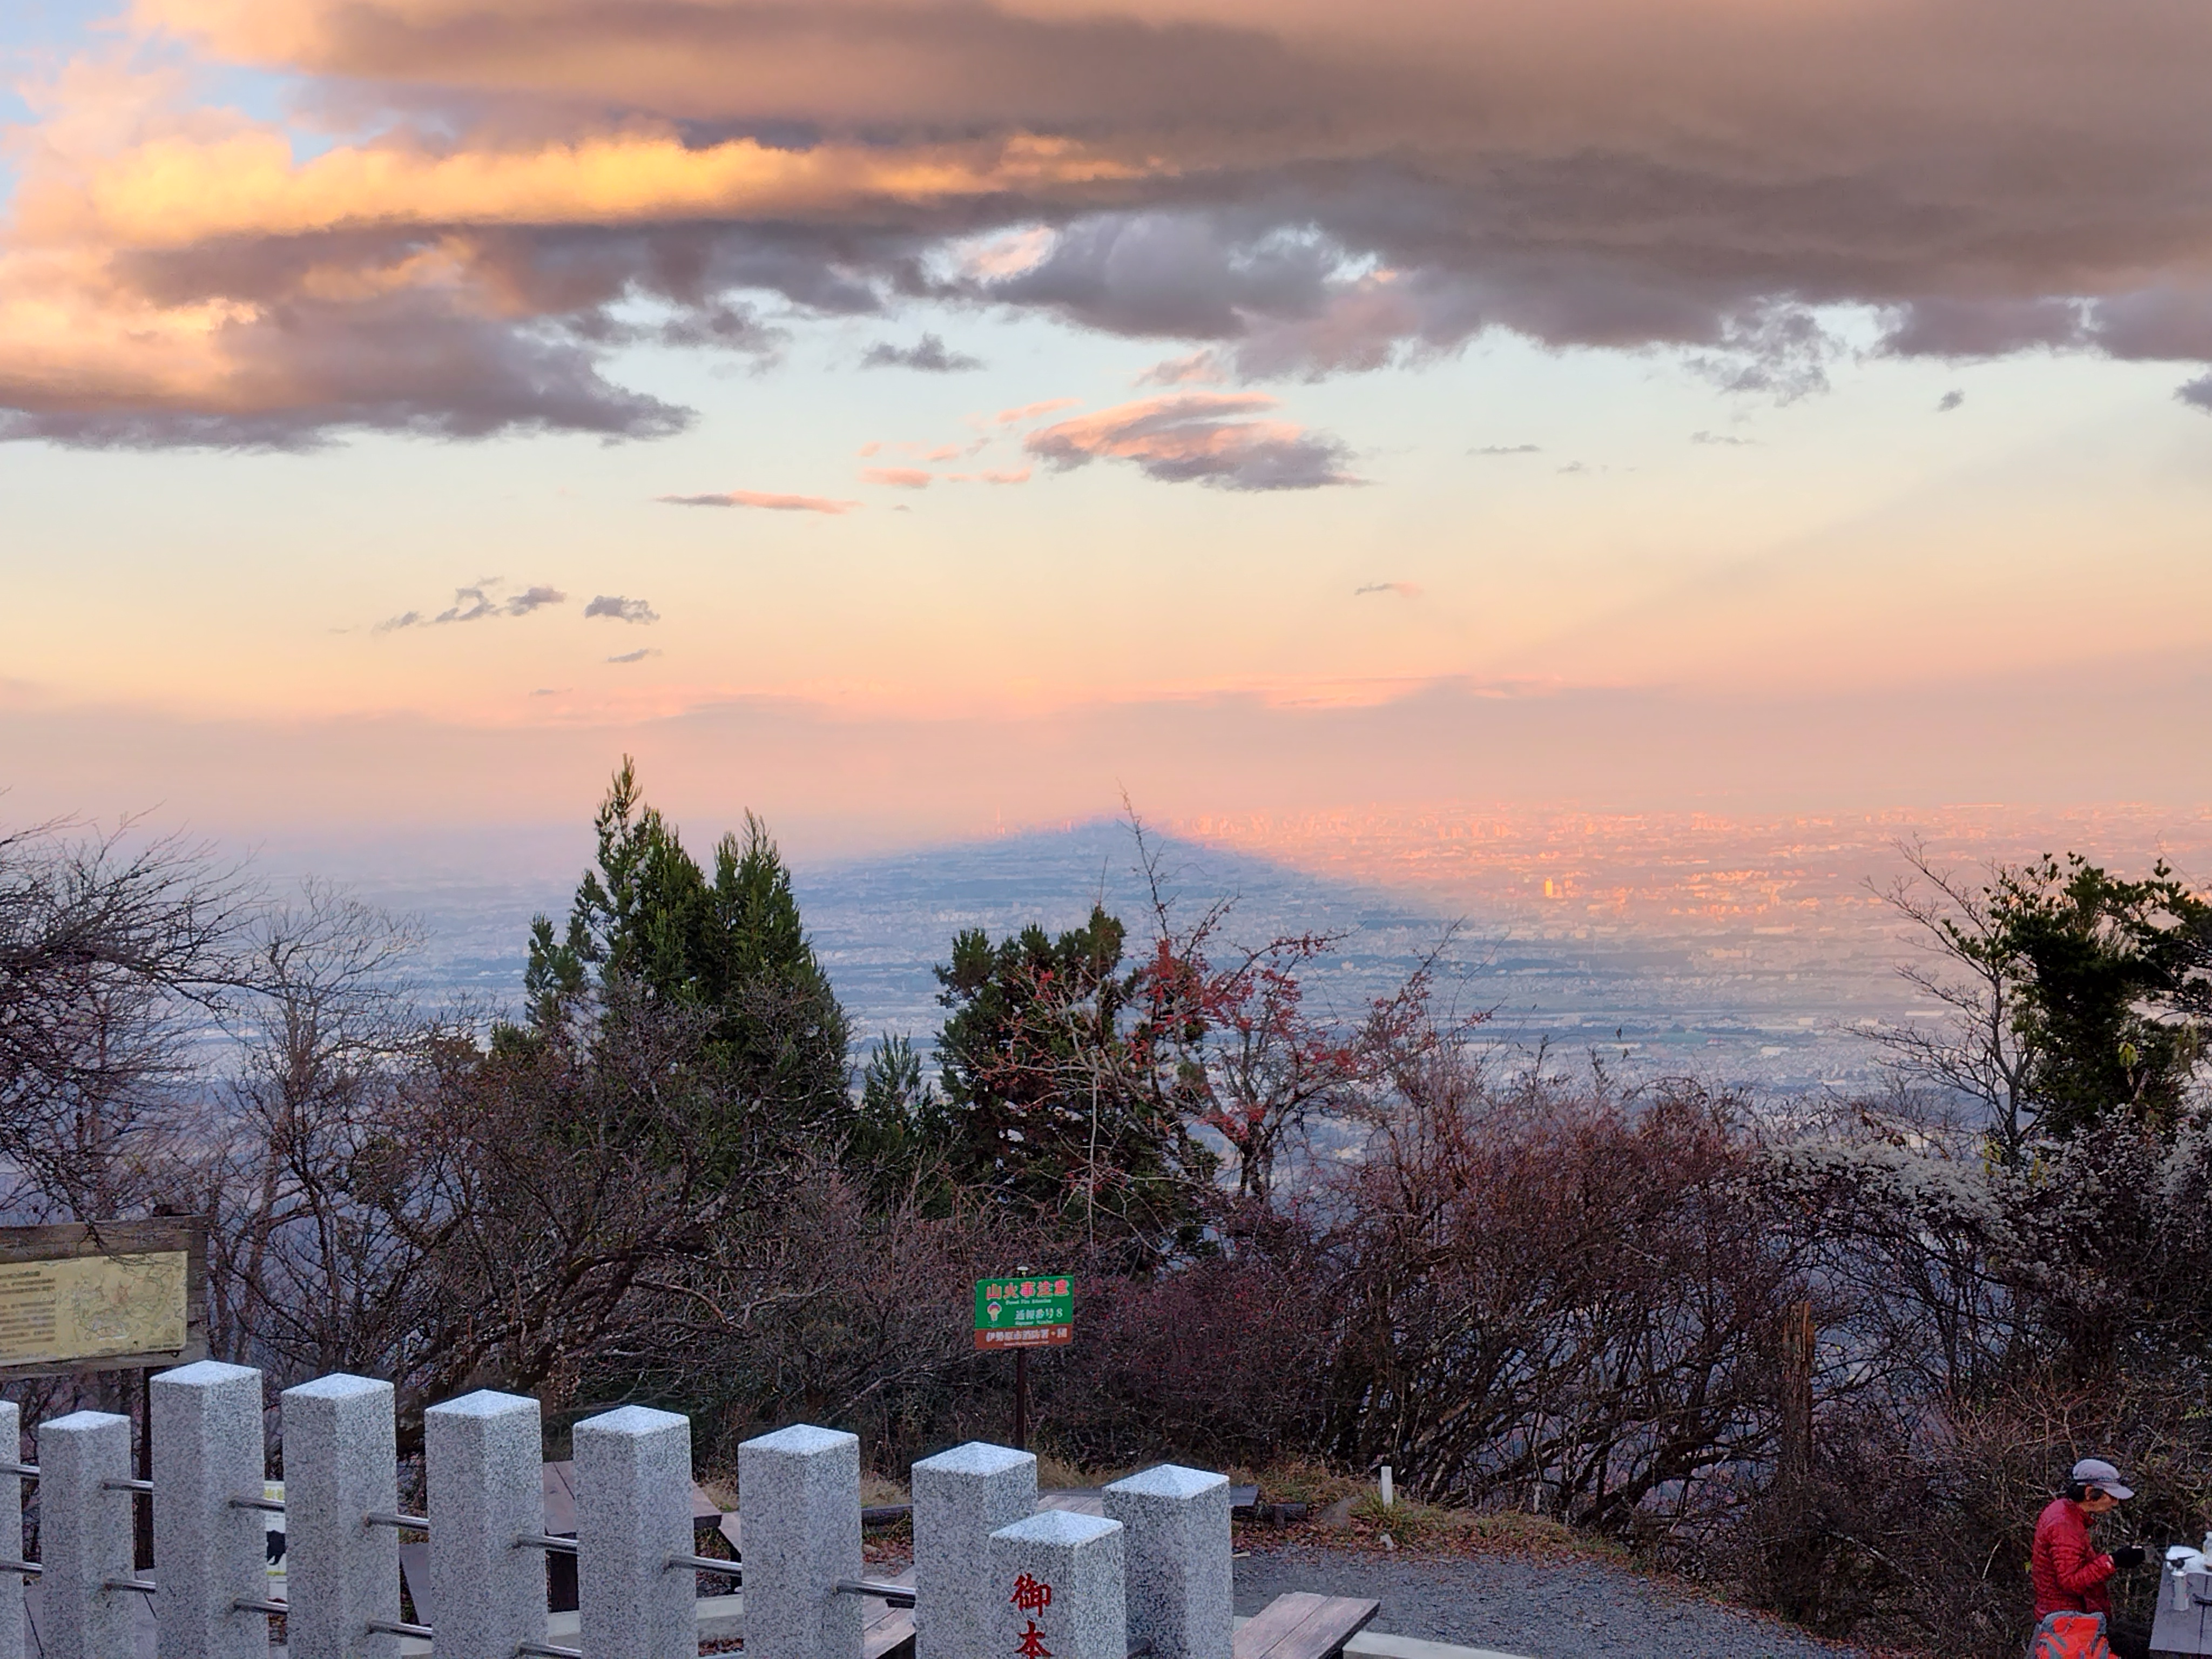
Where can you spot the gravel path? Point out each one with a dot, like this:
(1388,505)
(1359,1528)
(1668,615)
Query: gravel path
(1538,1609)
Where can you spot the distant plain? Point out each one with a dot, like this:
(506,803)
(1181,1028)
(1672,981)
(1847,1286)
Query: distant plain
(1748,950)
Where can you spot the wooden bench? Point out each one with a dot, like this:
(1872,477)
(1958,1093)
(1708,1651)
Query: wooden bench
(1303,1625)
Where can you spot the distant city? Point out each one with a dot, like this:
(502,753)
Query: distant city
(1731,949)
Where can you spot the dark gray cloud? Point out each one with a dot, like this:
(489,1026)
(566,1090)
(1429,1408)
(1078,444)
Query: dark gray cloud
(621,610)
(1949,401)
(928,355)
(2197,393)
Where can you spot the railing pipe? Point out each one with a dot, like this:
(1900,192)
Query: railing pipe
(896,1596)
(707,1564)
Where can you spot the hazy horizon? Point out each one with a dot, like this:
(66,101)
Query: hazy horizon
(1739,951)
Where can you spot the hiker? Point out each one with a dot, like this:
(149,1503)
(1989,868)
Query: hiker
(2071,1575)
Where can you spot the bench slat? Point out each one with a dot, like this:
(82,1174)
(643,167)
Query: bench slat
(1300,1625)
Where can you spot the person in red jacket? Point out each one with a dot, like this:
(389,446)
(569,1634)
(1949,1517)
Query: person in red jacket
(2071,1574)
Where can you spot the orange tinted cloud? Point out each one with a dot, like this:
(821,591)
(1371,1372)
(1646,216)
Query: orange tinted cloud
(174,191)
(897,478)
(1030,411)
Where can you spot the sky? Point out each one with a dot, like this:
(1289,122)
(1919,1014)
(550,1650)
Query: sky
(906,417)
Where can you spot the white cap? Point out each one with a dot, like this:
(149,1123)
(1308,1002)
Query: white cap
(2097,1474)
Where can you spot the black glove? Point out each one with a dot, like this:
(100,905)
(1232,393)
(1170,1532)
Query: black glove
(2127,1556)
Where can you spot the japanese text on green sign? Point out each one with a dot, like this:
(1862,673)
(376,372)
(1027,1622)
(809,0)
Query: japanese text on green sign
(1030,1310)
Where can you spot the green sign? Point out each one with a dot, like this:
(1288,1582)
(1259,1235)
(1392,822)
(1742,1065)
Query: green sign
(1025,1310)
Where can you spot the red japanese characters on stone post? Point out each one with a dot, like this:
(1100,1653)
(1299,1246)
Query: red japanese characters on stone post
(1029,1595)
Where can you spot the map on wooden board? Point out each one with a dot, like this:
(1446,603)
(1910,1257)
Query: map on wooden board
(87,1307)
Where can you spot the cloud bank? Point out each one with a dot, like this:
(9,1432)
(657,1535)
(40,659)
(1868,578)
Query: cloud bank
(482,199)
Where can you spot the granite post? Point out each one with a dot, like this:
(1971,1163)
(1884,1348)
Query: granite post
(482,1454)
(340,1464)
(11,1533)
(633,1513)
(961,1497)
(1177,1561)
(207,1554)
(84,1535)
(1056,1589)
(798,1491)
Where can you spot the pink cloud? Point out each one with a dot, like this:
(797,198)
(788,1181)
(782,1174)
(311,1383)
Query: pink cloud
(1199,437)
(1028,411)
(896,477)
(1007,476)
(772,502)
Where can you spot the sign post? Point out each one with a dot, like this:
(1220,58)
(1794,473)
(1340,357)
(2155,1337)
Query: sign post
(1023,1311)
(104,1296)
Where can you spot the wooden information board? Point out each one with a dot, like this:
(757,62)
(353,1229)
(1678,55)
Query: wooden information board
(102,1296)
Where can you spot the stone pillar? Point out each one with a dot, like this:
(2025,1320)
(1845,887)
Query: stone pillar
(207,1553)
(84,1536)
(340,1464)
(961,1497)
(798,1493)
(11,1533)
(1177,1561)
(1056,1587)
(482,1454)
(633,1513)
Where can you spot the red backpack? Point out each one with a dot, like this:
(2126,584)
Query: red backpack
(2069,1636)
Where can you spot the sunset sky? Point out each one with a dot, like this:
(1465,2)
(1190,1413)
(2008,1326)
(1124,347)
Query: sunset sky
(906,417)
